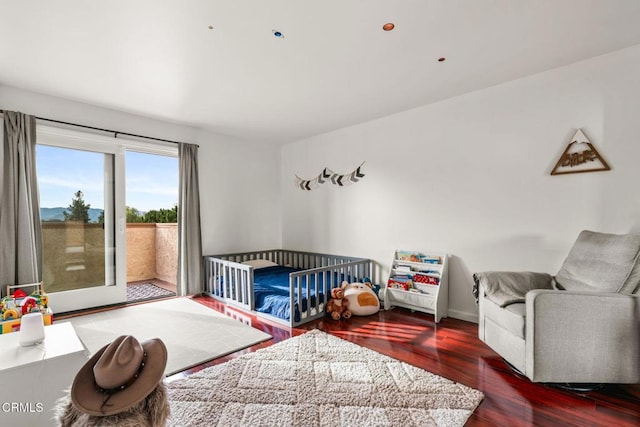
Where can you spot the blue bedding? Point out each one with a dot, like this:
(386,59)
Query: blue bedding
(271,291)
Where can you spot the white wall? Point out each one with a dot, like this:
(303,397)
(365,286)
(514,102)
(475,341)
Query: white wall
(239,196)
(470,176)
(239,180)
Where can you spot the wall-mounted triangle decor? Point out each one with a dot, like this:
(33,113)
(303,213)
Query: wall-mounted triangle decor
(580,156)
(329,176)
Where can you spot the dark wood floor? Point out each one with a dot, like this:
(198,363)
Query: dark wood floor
(451,349)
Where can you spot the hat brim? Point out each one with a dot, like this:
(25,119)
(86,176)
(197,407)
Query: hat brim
(88,399)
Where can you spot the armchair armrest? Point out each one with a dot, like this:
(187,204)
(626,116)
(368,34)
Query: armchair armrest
(572,333)
(508,287)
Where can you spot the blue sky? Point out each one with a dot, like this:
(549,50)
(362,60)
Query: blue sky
(152,181)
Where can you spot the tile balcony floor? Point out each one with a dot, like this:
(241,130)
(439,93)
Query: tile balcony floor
(156,282)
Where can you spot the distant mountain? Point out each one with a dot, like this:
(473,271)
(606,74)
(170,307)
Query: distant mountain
(57,214)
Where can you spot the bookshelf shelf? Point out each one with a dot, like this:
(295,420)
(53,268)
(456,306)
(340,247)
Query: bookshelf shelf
(419,281)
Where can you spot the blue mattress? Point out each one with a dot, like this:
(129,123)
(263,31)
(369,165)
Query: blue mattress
(271,291)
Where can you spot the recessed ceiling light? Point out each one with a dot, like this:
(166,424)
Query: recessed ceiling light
(388,26)
(277,34)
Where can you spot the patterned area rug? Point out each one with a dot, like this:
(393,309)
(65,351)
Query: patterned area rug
(146,291)
(317,379)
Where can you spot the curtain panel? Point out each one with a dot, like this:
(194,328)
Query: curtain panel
(189,238)
(20,228)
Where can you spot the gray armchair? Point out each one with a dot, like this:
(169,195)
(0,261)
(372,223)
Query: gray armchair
(581,326)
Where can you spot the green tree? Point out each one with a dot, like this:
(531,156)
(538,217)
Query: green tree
(133,215)
(162,215)
(153,216)
(78,210)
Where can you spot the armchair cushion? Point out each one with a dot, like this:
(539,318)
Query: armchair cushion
(511,318)
(580,326)
(601,262)
(509,287)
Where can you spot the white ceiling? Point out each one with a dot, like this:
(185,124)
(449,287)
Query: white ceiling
(335,66)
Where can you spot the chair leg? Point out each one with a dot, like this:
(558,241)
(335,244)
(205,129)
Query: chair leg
(578,387)
(575,387)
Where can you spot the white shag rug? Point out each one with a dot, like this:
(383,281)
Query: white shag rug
(316,379)
(192,332)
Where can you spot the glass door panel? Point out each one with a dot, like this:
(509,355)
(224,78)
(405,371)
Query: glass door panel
(76,199)
(81,189)
(152,216)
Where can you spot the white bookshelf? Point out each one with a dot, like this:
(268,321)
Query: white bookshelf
(419,281)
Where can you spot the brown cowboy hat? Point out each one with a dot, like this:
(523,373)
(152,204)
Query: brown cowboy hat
(119,375)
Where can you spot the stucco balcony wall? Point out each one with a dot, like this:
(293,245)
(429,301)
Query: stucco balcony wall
(74,254)
(141,251)
(152,252)
(167,252)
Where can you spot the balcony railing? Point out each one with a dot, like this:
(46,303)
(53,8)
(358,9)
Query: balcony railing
(74,254)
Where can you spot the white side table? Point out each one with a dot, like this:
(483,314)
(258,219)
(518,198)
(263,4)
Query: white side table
(33,378)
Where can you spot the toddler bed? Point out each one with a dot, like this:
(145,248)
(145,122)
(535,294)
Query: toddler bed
(289,287)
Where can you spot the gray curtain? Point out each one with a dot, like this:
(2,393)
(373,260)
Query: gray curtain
(189,239)
(20,228)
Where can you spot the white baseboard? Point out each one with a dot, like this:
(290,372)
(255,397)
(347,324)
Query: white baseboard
(456,314)
(463,315)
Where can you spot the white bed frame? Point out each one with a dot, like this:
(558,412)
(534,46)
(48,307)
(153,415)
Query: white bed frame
(229,281)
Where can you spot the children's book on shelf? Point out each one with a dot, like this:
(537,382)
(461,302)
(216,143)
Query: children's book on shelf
(418,257)
(400,282)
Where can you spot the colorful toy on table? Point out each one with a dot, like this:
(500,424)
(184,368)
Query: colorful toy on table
(13,307)
(29,305)
(41,297)
(9,309)
(10,314)
(19,294)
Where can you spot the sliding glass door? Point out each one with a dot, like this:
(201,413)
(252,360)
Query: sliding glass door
(81,200)
(82,182)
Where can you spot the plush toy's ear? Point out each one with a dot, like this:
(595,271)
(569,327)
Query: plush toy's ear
(368,284)
(345,284)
